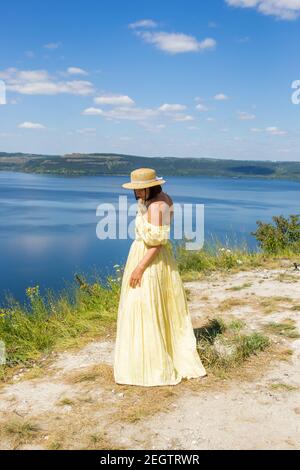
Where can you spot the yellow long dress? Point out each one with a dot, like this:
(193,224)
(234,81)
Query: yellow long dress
(155,341)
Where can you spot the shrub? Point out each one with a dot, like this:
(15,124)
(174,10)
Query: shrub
(283,235)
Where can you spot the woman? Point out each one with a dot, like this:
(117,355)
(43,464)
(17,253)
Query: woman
(155,341)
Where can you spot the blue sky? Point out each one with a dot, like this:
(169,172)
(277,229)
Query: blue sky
(209,78)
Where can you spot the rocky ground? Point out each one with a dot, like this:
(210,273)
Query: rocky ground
(70,400)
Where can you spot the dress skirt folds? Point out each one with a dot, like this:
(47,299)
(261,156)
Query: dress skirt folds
(155,341)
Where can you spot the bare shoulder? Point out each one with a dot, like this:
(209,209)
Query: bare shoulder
(159,213)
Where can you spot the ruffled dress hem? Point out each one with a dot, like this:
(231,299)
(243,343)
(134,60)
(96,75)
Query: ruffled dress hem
(188,377)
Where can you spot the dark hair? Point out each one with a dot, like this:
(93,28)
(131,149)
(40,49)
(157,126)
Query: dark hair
(154,190)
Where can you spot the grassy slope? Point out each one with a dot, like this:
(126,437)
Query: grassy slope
(117,164)
(64,320)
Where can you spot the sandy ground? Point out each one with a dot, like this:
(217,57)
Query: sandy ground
(74,403)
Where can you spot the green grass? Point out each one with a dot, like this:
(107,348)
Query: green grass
(237,345)
(295,308)
(65,402)
(283,387)
(241,287)
(231,257)
(19,431)
(286,277)
(45,323)
(287,328)
(23,429)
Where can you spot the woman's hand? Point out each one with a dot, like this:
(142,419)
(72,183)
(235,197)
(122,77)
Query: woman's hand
(137,273)
(136,277)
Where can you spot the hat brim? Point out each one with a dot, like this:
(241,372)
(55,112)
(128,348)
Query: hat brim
(142,185)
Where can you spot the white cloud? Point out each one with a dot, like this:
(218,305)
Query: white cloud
(221,97)
(31,125)
(243,40)
(243,116)
(151,127)
(87,131)
(142,115)
(39,82)
(52,45)
(182,117)
(282,9)
(131,113)
(175,43)
(201,107)
(173,111)
(170,108)
(76,71)
(275,131)
(31,75)
(116,100)
(143,24)
(92,112)
(271,130)
(51,88)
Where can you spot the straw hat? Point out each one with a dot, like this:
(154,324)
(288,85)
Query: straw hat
(143,178)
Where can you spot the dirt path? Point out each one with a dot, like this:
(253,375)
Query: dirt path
(73,402)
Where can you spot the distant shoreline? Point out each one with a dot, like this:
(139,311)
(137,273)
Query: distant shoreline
(109,164)
(216,177)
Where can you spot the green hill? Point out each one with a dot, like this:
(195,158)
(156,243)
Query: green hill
(118,164)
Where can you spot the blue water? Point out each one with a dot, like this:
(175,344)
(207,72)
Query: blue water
(48,223)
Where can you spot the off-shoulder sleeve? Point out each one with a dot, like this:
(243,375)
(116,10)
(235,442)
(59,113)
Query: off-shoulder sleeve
(154,235)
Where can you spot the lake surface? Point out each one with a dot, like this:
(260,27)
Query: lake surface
(48,223)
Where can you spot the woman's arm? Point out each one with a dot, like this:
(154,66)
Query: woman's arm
(137,273)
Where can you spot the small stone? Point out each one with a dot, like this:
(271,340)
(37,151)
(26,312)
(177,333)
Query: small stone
(224,349)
